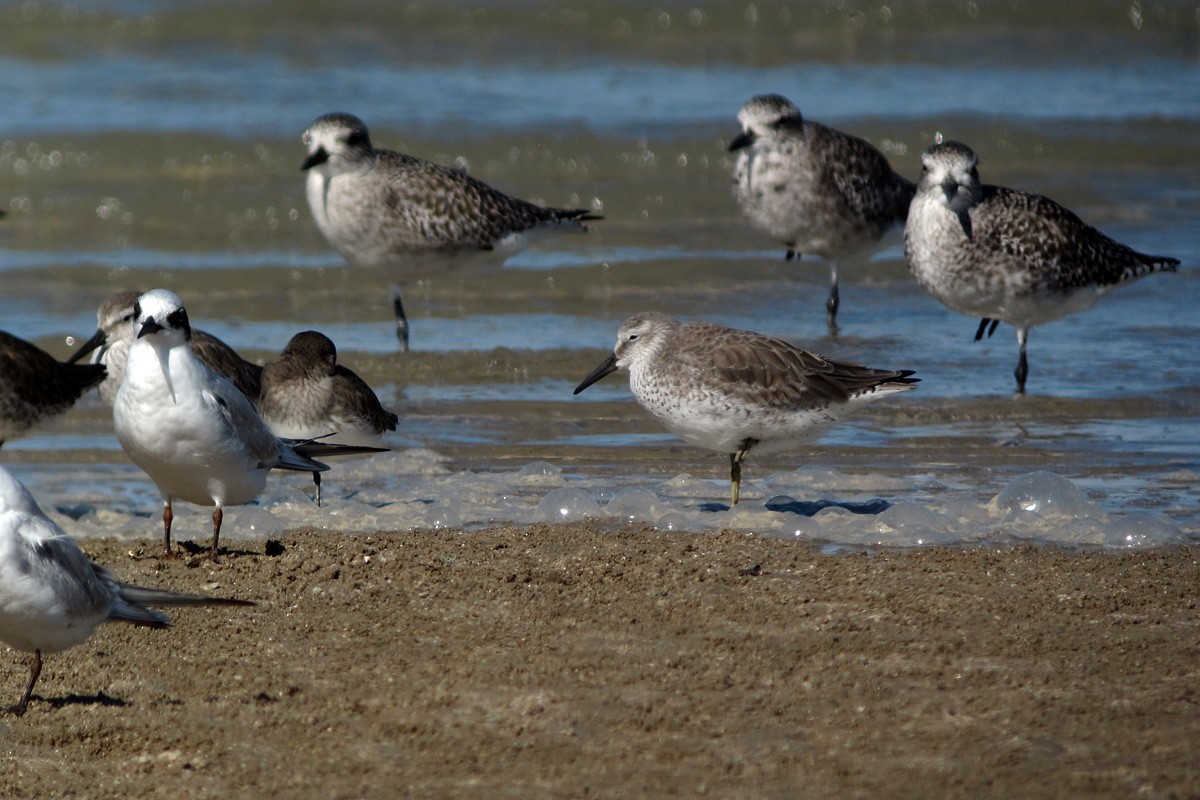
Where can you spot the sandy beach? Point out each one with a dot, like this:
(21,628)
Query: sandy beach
(573,661)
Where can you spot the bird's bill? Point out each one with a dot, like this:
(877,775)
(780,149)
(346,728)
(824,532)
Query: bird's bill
(148,327)
(743,139)
(318,156)
(98,339)
(608,367)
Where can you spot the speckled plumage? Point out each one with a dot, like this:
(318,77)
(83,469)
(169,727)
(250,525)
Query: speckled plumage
(730,390)
(816,189)
(35,386)
(306,394)
(1002,254)
(109,346)
(378,207)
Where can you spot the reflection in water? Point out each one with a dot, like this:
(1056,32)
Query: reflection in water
(158,146)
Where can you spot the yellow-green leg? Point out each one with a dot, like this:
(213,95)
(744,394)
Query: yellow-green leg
(735,467)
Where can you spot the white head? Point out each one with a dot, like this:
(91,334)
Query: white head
(951,167)
(638,340)
(336,142)
(114,326)
(765,116)
(160,318)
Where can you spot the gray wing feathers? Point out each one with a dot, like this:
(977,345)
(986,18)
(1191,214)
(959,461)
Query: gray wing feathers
(450,207)
(1062,251)
(779,374)
(224,360)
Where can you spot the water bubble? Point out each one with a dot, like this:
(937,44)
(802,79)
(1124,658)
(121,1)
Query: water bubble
(912,524)
(1142,529)
(1045,493)
(566,505)
(636,505)
(540,473)
(250,522)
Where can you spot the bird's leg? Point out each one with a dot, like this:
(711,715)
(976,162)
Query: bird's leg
(1022,371)
(35,669)
(317,481)
(168,515)
(735,467)
(831,305)
(218,515)
(992,328)
(401,322)
(983,323)
(791,254)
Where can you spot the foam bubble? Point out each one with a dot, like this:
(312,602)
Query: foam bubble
(566,505)
(640,505)
(1046,494)
(1142,529)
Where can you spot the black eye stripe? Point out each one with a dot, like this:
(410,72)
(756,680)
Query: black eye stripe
(177,318)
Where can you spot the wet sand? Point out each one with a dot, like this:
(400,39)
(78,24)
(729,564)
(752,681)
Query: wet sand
(573,661)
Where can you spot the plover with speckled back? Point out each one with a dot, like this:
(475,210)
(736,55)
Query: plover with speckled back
(380,208)
(109,346)
(732,391)
(35,386)
(818,190)
(1006,255)
(307,394)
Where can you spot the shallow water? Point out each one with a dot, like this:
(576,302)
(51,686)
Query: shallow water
(159,146)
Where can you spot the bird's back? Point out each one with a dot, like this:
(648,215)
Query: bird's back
(404,204)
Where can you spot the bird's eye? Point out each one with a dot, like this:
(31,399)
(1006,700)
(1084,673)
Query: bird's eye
(633,336)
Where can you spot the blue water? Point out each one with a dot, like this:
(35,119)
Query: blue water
(147,144)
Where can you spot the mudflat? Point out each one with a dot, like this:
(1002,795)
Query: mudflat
(574,660)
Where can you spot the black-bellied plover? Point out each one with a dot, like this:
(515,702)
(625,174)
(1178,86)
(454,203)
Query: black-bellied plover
(1005,255)
(196,436)
(731,391)
(53,597)
(818,190)
(35,386)
(109,346)
(306,394)
(380,208)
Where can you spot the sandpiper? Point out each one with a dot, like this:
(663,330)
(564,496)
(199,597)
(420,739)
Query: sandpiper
(731,391)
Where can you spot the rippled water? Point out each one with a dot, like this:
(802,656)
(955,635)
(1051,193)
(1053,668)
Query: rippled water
(147,144)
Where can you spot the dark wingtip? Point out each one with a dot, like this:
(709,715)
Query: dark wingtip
(578,215)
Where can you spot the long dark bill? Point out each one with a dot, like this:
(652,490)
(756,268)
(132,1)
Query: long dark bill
(608,367)
(98,338)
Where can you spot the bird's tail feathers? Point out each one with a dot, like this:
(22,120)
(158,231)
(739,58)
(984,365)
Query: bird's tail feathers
(576,215)
(300,453)
(134,599)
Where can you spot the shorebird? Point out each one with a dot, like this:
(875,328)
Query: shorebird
(380,208)
(306,394)
(816,189)
(52,597)
(1006,255)
(196,436)
(35,386)
(731,391)
(114,334)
